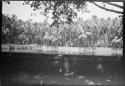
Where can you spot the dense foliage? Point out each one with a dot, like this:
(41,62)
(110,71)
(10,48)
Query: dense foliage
(94,32)
(59,8)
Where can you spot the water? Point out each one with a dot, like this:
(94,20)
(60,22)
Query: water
(51,69)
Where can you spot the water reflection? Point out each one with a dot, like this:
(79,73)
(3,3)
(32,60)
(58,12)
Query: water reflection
(60,69)
(66,50)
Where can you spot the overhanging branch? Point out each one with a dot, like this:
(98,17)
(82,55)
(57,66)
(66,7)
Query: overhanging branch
(111,10)
(114,5)
(7,1)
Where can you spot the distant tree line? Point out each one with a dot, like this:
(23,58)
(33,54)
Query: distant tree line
(93,32)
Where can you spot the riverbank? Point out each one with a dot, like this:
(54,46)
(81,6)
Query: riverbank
(33,48)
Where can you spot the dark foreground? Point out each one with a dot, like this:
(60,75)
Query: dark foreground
(22,69)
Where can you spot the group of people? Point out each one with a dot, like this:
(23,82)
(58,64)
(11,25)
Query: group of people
(67,67)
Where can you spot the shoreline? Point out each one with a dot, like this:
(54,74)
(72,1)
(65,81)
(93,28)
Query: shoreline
(99,51)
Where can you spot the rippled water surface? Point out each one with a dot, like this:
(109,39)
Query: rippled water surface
(37,69)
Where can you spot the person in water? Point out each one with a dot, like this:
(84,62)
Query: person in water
(67,68)
(99,67)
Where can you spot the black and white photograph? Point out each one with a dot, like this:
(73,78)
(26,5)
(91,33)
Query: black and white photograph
(62,42)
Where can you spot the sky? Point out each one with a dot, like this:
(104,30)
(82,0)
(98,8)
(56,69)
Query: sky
(24,11)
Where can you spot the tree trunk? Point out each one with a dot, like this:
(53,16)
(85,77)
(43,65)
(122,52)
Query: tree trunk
(123,59)
(123,15)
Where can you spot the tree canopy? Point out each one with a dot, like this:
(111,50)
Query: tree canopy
(67,9)
(60,8)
